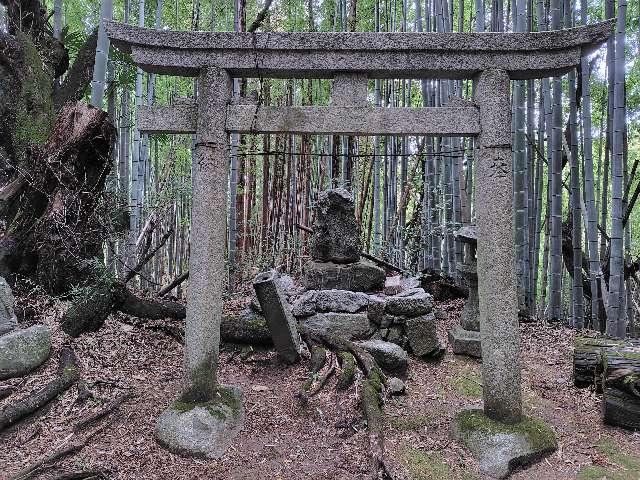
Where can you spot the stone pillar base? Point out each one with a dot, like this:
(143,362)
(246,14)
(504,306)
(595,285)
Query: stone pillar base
(500,448)
(202,429)
(465,342)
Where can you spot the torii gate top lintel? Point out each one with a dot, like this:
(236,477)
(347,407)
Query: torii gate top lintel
(379,55)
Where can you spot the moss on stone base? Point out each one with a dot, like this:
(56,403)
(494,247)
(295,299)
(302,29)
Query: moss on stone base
(500,447)
(226,403)
(537,433)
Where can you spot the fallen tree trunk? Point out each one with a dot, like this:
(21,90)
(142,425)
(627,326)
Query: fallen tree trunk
(89,312)
(173,284)
(587,359)
(68,375)
(246,328)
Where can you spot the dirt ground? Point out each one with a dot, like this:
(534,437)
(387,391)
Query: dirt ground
(325,440)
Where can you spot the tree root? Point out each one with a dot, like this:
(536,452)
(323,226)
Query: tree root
(69,447)
(348,371)
(73,445)
(320,372)
(6,391)
(109,408)
(86,475)
(68,375)
(371,392)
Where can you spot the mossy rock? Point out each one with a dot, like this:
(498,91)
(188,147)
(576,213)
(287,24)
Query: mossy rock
(202,429)
(21,351)
(500,448)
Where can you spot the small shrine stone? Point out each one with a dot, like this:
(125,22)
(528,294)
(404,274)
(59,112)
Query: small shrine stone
(336,236)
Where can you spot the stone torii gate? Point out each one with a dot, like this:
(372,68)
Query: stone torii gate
(492,59)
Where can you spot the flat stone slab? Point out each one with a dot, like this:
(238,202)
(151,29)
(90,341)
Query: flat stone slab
(465,342)
(353,326)
(202,429)
(389,356)
(500,448)
(412,303)
(344,301)
(361,276)
(21,351)
(277,312)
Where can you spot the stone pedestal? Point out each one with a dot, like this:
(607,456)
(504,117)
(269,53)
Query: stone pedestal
(500,448)
(465,339)
(202,429)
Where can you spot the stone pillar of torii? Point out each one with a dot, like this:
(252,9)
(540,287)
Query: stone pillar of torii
(492,59)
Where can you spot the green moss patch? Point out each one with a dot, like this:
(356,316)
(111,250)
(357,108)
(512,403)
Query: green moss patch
(629,463)
(468,383)
(411,422)
(594,473)
(34,113)
(426,465)
(348,370)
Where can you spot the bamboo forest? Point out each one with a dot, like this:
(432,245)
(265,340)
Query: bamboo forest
(320,239)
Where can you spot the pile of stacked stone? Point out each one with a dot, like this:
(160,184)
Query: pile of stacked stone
(335,248)
(465,339)
(346,295)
